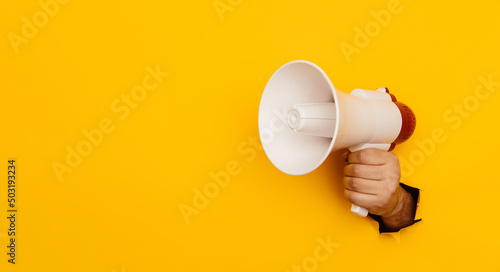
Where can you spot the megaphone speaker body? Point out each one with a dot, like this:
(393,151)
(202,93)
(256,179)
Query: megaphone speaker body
(302,119)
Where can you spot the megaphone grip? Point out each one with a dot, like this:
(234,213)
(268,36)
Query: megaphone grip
(359,210)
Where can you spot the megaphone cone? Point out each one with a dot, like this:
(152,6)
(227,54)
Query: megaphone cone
(302,119)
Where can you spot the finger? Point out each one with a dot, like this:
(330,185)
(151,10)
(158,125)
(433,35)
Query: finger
(345,155)
(360,199)
(364,171)
(360,185)
(370,156)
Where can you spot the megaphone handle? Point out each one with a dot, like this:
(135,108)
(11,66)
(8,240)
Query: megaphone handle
(385,147)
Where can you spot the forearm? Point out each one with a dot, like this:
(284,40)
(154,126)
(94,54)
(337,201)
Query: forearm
(403,214)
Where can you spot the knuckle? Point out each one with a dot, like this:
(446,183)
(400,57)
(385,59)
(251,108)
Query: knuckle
(391,190)
(355,183)
(364,155)
(395,177)
(356,169)
(393,158)
(392,175)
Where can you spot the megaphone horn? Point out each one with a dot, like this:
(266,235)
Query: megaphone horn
(302,119)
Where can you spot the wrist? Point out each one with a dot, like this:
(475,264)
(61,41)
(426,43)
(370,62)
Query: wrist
(402,213)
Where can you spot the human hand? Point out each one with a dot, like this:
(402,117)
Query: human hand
(371,181)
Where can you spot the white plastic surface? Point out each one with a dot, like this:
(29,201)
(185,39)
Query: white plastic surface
(317,119)
(295,84)
(384,147)
(359,210)
(376,95)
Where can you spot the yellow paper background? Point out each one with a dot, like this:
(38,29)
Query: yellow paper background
(118,210)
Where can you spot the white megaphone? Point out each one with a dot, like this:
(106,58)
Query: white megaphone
(302,118)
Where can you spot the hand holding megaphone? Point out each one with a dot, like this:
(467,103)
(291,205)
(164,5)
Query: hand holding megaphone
(302,118)
(371,179)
